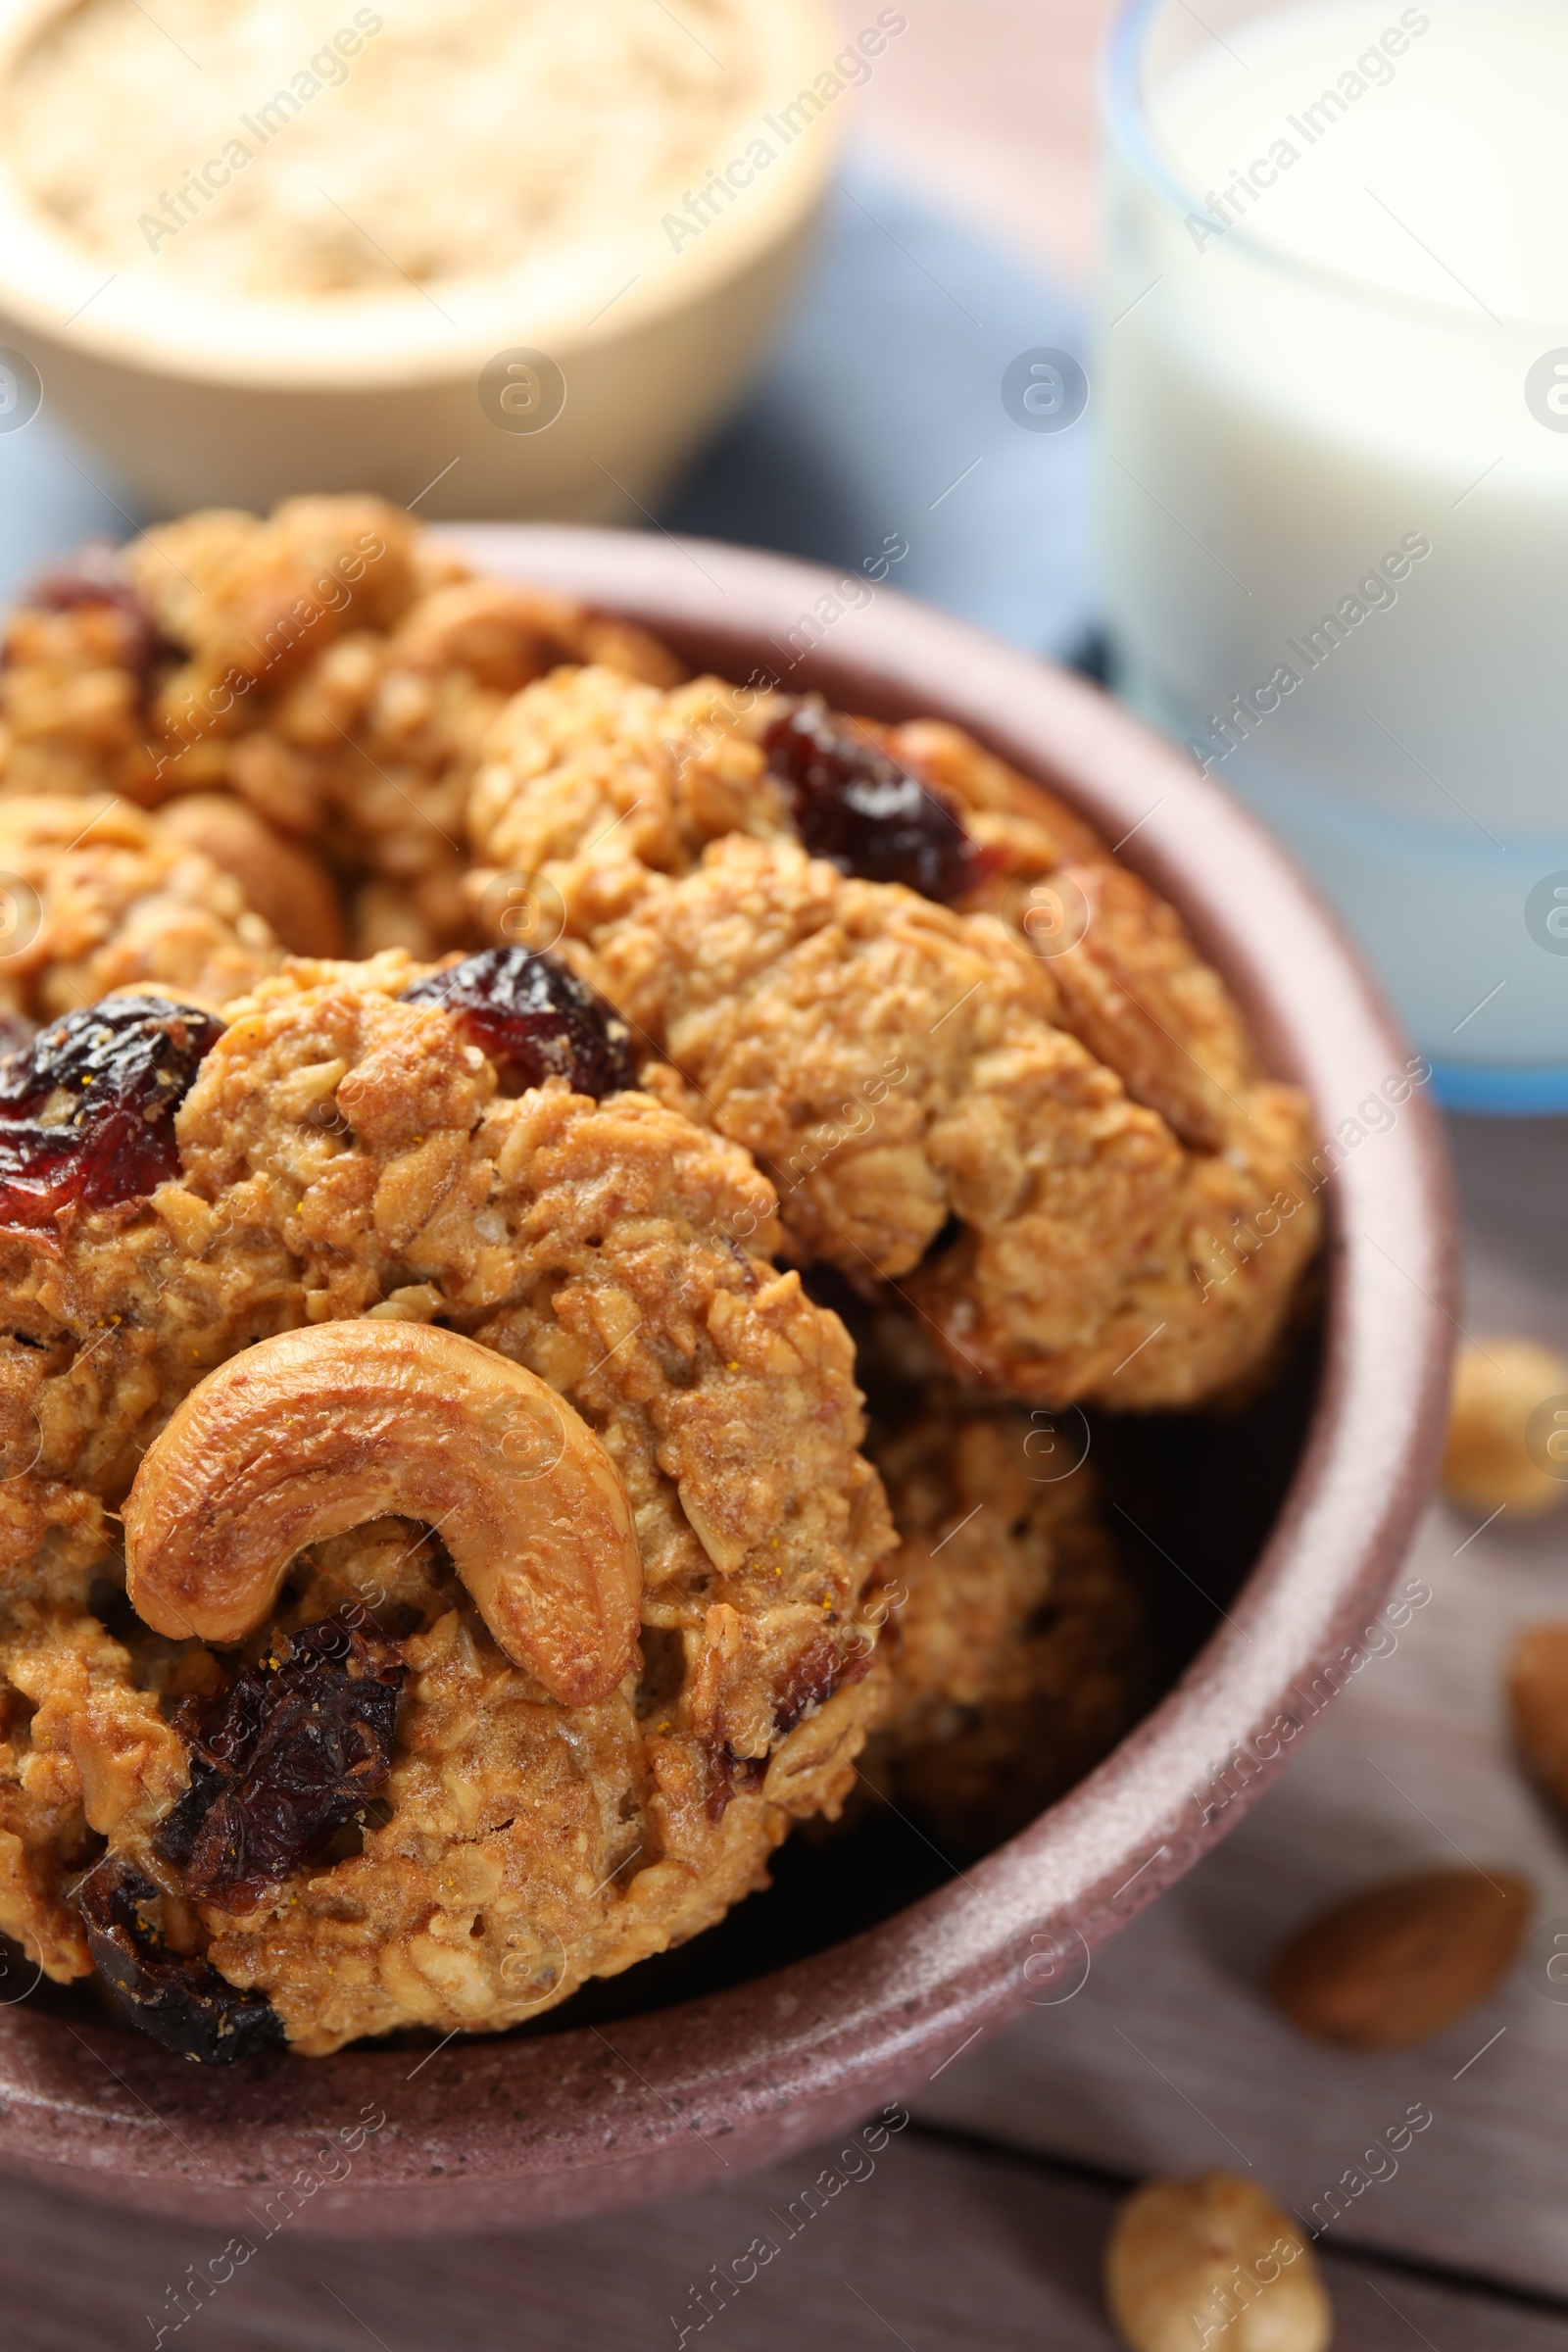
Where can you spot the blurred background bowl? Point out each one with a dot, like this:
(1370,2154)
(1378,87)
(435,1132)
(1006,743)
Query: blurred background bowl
(624,349)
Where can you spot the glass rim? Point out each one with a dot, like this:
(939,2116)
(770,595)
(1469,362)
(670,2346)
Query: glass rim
(1125,114)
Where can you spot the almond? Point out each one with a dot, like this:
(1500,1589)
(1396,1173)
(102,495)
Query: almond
(1402,1961)
(1212,2260)
(1538,1701)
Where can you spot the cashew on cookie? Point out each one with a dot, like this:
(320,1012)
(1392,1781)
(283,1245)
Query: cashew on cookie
(1014,1090)
(496,1532)
(330,672)
(252,1468)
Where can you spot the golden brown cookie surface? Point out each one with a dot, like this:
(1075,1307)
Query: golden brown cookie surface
(1018,1639)
(347,1154)
(1084,1131)
(97,896)
(331,668)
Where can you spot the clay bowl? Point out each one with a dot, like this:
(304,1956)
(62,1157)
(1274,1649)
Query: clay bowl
(671,2085)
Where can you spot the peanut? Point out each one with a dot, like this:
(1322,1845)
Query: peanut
(1212,2262)
(1493,1455)
(1401,1961)
(1537,1702)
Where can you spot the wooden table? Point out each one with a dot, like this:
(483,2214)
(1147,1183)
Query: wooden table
(989,106)
(945,2246)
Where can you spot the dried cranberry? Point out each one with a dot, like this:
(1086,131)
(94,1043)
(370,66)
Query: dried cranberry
(855,806)
(177,1998)
(535,1020)
(730,1775)
(287,1754)
(96,575)
(820,1670)
(88,1109)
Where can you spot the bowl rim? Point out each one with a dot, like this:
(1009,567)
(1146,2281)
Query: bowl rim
(56,289)
(497,2133)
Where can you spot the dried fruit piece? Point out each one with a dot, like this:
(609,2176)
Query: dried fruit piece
(855,806)
(1498,1451)
(176,1998)
(88,1109)
(1538,1701)
(287,1754)
(535,1020)
(1214,2262)
(1402,1961)
(96,575)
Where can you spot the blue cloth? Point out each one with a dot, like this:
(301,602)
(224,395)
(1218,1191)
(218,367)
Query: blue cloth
(54,491)
(877,418)
(883,392)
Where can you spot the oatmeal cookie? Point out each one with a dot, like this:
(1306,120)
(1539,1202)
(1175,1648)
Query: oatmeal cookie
(1017,1638)
(330,668)
(294,891)
(99,898)
(1078,1174)
(380,1148)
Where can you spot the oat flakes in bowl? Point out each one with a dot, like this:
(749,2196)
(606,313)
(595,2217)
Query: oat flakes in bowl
(304,267)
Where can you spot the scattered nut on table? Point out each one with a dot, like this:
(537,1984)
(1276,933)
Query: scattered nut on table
(1499,1451)
(1538,1704)
(1403,1960)
(1212,2262)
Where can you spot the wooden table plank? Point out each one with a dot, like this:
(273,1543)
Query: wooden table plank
(936,2247)
(989,106)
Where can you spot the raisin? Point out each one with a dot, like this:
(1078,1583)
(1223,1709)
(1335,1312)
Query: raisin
(817,1672)
(282,1758)
(95,575)
(88,1109)
(177,1998)
(730,1775)
(535,1021)
(855,806)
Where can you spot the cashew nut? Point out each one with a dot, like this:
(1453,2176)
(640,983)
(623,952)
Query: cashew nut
(317,1431)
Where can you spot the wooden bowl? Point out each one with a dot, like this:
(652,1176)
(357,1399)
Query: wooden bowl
(653,2097)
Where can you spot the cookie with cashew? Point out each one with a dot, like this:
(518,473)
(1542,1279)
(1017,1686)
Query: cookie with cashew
(329,672)
(981,1061)
(423,1252)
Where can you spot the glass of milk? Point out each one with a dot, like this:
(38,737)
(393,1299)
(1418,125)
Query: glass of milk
(1332,390)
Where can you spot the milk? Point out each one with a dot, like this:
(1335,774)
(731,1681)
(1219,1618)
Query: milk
(1333,398)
